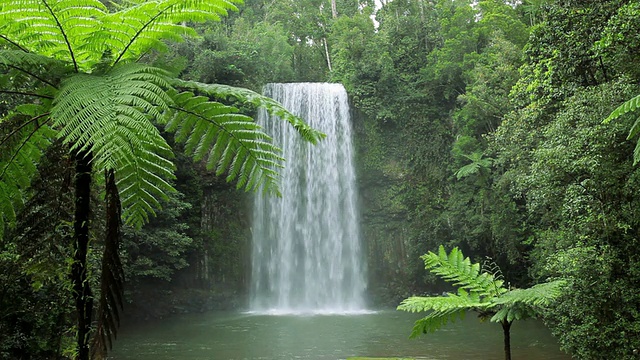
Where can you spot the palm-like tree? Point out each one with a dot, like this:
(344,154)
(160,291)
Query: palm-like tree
(77,66)
(477,166)
(479,291)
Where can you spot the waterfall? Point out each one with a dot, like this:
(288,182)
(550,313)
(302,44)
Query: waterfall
(306,252)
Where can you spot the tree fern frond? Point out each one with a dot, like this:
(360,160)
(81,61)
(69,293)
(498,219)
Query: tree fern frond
(450,302)
(227,141)
(455,268)
(247,96)
(635,129)
(21,146)
(81,31)
(477,163)
(109,116)
(134,30)
(141,182)
(513,312)
(443,309)
(435,321)
(630,105)
(11,42)
(636,151)
(32,67)
(467,170)
(56,28)
(20,58)
(539,295)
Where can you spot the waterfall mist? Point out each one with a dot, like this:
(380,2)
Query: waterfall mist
(306,251)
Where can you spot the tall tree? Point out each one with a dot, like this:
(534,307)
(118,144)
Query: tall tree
(88,88)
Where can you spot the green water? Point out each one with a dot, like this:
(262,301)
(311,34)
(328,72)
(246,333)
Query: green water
(381,334)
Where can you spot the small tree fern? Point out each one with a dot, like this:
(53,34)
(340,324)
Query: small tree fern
(479,291)
(477,165)
(78,65)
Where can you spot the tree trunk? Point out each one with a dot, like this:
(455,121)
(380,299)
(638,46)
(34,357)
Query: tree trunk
(112,276)
(334,9)
(326,51)
(506,329)
(81,289)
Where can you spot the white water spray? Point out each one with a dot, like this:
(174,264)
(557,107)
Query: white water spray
(306,254)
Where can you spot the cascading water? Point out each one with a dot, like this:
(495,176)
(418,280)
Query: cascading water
(306,254)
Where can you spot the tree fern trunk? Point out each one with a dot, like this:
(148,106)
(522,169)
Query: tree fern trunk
(506,329)
(81,289)
(112,277)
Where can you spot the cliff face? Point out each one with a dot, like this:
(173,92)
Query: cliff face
(384,216)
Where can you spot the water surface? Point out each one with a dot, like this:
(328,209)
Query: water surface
(244,336)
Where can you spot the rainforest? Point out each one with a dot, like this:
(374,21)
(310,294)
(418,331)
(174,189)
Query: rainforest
(319,179)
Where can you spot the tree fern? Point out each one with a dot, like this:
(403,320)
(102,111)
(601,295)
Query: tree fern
(486,295)
(477,164)
(628,106)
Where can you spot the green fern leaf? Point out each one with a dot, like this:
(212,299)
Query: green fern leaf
(629,105)
(461,300)
(227,141)
(247,96)
(141,180)
(109,115)
(20,151)
(477,163)
(443,309)
(30,61)
(54,28)
(135,30)
(512,313)
(82,31)
(455,268)
(467,170)
(435,321)
(539,295)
